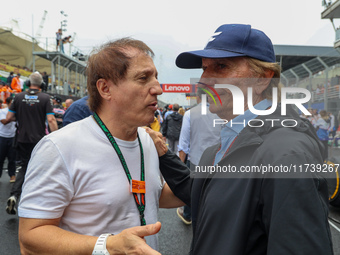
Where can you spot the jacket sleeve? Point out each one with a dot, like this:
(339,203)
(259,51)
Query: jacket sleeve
(177,176)
(295,212)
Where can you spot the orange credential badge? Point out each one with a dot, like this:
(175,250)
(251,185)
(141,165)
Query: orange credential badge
(138,186)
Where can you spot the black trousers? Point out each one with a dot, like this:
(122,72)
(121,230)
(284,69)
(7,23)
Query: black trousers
(7,151)
(24,150)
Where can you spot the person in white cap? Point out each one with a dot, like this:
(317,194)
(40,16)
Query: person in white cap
(243,198)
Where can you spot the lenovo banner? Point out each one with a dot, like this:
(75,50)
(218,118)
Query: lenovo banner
(177,88)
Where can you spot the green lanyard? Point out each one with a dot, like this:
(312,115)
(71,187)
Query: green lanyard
(141,204)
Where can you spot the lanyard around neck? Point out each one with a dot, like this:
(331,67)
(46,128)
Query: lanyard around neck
(141,204)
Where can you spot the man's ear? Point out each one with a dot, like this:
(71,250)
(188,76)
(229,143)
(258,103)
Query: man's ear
(263,82)
(103,87)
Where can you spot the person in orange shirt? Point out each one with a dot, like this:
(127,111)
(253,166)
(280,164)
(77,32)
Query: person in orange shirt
(2,93)
(16,83)
(7,91)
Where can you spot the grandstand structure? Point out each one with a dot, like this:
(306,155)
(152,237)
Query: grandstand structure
(314,68)
(332,12)
(309,67)
(24,54)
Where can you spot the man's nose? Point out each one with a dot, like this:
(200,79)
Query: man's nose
(156,89)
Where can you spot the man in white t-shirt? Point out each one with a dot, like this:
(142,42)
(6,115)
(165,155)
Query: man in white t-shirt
(7,134)
(100,175)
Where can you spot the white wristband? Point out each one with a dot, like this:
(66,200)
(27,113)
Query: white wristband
(100,247)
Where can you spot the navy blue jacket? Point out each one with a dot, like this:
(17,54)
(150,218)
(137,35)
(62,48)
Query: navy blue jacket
(253,213)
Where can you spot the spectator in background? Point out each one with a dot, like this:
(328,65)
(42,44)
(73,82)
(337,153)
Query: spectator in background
(77,111)
(318,89)
(155,125)
(315,116)
(10,78)
(58,38)
(30,113)
(16,84)
(332,129)
(337,121)
(65,40)
(5,92)
(44,86)
(21,82)
(171,128)
(168,111)
(181,111)
(68,103)
(58,110)
(158,115)
(7,150)
(322,125)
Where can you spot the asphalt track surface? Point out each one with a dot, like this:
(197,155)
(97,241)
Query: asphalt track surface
(174,237)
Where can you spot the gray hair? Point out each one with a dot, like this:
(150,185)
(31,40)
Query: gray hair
(36,79)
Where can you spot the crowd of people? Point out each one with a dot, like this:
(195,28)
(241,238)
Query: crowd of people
(326,125)
(99,171)
(18,156)
(15,84)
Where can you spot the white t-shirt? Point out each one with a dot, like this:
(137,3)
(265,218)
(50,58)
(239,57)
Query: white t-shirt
(321,123)
(9,129)
(74,173)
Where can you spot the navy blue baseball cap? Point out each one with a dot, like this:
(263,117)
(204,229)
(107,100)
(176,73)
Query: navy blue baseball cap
(231,40)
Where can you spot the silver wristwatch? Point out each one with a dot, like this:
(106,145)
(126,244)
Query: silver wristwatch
(100,247)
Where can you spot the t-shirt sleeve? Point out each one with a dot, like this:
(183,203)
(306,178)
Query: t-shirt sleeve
(12,107)
(48,188)
(49,107)
(2,115)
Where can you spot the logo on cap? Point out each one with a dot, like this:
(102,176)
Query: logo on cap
(213,37)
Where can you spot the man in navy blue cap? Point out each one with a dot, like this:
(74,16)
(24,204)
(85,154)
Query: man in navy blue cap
(242,196)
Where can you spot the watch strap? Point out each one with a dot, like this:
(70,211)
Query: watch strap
(100,247)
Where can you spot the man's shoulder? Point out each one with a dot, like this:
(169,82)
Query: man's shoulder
(43,97)
(145,137)
(72,130)
(288,141)
(80,102)
(42,94)
(20,95)
(80,106)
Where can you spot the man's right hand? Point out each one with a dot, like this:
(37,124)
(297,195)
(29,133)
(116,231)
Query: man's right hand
(131,240)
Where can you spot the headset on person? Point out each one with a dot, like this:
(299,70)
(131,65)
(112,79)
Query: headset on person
(28,83)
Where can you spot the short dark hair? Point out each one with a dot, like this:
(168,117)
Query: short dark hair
(110,62)
(175,107)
